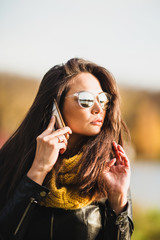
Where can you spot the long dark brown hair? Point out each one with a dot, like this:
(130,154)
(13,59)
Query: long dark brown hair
(17,154)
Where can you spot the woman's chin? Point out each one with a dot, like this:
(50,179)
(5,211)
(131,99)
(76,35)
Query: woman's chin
(89,131)
(94,131)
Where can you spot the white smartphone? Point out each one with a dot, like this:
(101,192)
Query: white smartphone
(59,120)
(56,112)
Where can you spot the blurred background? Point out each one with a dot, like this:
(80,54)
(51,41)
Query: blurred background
(121,35)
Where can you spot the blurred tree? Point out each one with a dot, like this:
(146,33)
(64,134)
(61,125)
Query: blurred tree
(141,111)
(146,130)
(16,96)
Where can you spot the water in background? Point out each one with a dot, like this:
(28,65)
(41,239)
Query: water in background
(145,184)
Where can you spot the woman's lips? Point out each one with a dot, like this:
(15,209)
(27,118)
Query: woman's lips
(97,122)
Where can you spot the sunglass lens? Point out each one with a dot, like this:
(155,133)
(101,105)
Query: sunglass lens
(103,100)
(86,99)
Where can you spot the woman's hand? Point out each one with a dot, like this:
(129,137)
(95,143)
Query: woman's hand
(49,144)
(117,179)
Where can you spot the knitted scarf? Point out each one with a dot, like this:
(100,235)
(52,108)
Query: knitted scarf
(64,196)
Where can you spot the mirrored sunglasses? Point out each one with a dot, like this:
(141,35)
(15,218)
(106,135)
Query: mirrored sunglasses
(87,99)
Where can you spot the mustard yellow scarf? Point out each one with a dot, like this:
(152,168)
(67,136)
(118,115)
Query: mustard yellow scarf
(64,197)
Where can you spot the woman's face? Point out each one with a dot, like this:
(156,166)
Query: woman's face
(83,121)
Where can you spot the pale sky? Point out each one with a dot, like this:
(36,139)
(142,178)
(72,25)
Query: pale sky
(121,35)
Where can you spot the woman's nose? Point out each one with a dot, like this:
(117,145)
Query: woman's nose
(96,108)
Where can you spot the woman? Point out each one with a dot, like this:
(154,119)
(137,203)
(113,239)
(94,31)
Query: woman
(73,182)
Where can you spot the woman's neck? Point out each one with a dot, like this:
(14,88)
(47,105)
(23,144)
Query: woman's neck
(75,144)
(74,140)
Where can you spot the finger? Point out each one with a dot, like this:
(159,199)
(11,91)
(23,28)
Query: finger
(111,163)
(62,138)
(62,150)
(51,124)
(123,156)
(50,127)
(120,148)
(125,159)
(59,132)
(62,147)
(114,144)
(62,131)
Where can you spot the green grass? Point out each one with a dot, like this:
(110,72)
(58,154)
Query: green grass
(146,224)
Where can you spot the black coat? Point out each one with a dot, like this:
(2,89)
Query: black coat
(22,218)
